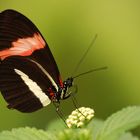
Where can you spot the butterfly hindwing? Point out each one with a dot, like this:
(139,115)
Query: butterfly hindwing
(23,85)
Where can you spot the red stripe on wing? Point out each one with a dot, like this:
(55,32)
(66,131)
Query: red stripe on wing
(24,46)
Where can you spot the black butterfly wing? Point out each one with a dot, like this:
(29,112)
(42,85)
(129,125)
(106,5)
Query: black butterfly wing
(14,26)
(27,62)
(23,85)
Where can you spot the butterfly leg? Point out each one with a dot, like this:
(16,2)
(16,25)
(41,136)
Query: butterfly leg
(74,100)
(59,112)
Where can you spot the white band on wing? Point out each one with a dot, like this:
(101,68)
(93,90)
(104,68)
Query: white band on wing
(37,91)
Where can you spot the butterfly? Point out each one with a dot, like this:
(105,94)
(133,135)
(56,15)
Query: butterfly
(29,76)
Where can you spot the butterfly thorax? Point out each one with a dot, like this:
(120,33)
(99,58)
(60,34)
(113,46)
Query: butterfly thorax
(62,92)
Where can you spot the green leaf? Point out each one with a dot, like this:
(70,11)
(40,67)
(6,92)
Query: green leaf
(95,125)
(126,119)
(128,136)
(56,125)
(74,134)
(26,134)
(36,134)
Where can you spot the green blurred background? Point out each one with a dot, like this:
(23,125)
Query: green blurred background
(69,26)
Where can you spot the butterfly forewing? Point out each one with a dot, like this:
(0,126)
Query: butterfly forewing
(27,68)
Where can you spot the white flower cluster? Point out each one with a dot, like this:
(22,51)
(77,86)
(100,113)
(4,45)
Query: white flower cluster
(80,117)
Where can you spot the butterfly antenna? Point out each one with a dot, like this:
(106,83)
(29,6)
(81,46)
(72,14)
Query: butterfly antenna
(90,71)
(85,54)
